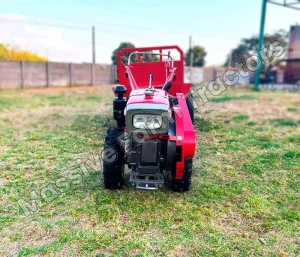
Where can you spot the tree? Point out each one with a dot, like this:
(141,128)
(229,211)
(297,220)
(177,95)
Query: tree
(149,57)
(248,47)
(125,56)
(199,54)
(241,52)
(144,57)
(15,54)
(4,53)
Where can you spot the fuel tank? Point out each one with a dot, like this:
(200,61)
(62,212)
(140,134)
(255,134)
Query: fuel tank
(148,96)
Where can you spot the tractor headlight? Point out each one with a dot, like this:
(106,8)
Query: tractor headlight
(147,121)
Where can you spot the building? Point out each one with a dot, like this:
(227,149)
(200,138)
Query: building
(292,71)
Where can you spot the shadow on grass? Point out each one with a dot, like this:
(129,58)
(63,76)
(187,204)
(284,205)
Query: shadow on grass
(284,123)
(227,98)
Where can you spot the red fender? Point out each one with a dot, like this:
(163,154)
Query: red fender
(185,134)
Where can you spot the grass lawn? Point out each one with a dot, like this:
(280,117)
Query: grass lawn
(244,199)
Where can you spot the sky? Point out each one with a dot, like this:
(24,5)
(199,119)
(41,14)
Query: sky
(61,29)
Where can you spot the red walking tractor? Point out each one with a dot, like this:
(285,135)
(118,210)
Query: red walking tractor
(154,115)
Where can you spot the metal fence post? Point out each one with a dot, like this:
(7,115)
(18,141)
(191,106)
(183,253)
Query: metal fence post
(93,74)
(47,75)
(260,41)
(22,73)
(114,75)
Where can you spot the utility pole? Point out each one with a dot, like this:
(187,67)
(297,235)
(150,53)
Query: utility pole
(94,56)
(93,46)
(191,57)
(260,40)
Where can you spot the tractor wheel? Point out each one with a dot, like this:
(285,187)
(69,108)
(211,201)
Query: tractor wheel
(113,162)
(190,102)
(183,185)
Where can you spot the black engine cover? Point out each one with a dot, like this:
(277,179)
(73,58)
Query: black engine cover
(145,157)
(149,152)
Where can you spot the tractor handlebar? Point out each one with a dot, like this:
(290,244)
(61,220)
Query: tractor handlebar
(151,53)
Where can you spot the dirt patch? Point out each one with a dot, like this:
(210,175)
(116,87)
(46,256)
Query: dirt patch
(180,250)
(86,221)
(31,235)
(235,224)
(258,109)
(50,116)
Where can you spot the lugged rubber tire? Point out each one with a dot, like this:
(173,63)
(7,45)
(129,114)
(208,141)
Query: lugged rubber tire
(113,173)
(190,105)
(183,185)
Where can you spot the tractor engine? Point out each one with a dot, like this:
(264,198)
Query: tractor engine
(147,125)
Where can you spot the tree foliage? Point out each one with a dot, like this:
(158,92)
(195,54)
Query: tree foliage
(134,58)
(125,56)
(248,47)
(199,54)
(9,53)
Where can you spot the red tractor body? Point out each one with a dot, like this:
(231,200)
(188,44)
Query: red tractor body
(155,120)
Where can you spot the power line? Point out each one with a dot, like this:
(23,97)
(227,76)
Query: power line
(123,26)
(66,27)
(64,39)
(57,25)
(90,22)
(45,24)
(134,14)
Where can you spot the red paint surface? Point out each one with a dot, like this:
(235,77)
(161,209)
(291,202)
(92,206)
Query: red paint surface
(138,73)
(138,96)
(185,129)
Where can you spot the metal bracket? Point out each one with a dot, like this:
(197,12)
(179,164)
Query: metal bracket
(146,181)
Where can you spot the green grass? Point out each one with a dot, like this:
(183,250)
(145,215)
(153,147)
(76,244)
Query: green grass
(18,99)
(293,109)
(226,98)
(204,125)
(244,199)
(284,122)
(240,117)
